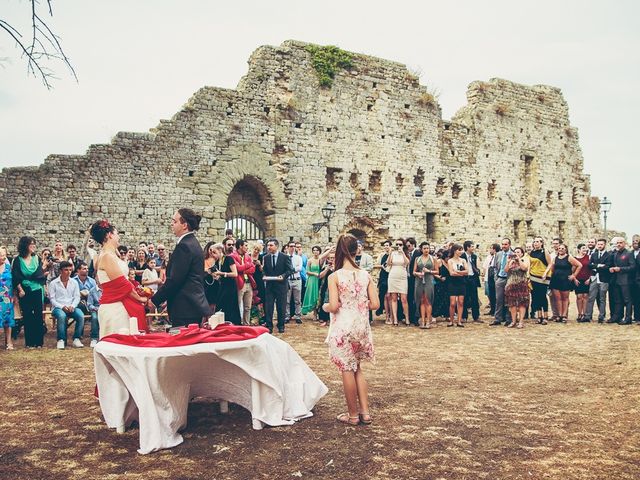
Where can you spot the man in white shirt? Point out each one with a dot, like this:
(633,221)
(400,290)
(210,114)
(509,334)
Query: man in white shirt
(64,294)
(295,284)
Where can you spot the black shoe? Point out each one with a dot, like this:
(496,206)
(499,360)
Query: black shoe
(286,321)
(626,322)
(281,330)
(270,330)
(600,320)
(298,321)
(493,324)
(611,320)
(507,323)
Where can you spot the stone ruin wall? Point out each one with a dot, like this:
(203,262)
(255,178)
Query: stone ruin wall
(279,147)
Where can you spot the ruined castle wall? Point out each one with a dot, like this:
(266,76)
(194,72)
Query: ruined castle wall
(279,147)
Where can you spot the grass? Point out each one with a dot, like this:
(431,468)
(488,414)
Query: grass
(555,401)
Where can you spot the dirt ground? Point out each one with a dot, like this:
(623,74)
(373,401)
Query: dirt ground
(556,401)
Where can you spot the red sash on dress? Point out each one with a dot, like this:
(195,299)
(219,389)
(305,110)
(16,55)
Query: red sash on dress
(118,290)
(188,336)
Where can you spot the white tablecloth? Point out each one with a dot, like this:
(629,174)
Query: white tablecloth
(265,375)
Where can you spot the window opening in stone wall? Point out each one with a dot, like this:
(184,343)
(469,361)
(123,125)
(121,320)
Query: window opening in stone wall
(561,229)
(354,180)
(455,190)
(406,105)
(361,236)
(298,125)
(375,84)
(191,173)
(491,189)
(267,110)
(431,225)
(528,231)
(332,178)
(369,107)
(375,180)
(560,195)
(575,197)
(418,179)
(476,189)
(245,227)
(440,187)
(399,181)
(531,183)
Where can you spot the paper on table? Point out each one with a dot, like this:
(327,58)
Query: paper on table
(272,279)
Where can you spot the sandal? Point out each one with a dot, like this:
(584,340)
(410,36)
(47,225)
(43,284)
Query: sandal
(563,320)
(365,418)
(520,325)
(450,324)
(542,321)
(9,347)
(348,419)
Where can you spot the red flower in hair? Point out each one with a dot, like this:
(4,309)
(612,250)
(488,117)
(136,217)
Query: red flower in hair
(104,224)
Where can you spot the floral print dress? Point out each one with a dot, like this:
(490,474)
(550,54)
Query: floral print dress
(350,340)
(6,298)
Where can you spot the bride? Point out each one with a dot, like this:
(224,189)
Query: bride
(119,299)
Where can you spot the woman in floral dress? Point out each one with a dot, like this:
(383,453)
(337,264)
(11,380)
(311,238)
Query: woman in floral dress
(352,294)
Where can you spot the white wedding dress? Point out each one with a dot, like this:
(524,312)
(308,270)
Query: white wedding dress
(112,316)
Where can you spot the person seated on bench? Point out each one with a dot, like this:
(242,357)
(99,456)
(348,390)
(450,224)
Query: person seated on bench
(64,294)
(89,299)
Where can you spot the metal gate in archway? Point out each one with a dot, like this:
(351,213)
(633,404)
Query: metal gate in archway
(245,227)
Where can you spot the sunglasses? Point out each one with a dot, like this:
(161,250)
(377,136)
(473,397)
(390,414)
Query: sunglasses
(161,249)
(399,245)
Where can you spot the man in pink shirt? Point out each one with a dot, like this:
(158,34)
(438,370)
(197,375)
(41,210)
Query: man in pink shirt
(244,280)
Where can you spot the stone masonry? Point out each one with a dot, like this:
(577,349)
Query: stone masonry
(279,147)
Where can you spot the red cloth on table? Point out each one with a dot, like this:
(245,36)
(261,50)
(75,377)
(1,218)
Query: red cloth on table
(118,290)
(188,336)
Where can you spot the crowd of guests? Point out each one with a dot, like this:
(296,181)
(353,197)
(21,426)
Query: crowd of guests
(251,282)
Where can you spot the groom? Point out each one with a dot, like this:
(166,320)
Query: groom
(183,289)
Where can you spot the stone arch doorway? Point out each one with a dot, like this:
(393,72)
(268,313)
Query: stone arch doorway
(250,213)
(365,233)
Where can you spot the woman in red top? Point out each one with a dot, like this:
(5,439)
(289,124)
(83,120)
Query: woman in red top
(582,281)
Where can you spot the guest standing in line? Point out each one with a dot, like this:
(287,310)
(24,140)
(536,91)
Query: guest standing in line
(582,282)
(313,271)
(213,254)
(501,281)
(397,282)
(6,299)
(563,275)
(244,280)
(540,266)
(471,300)
(441,290)
(351,294)
(383,282)
(323,294)
(623,266)
(28,280)
(458,271)
(276,268)
(227,300)
(412,253)
(599,264)
(424,269)
(516,290)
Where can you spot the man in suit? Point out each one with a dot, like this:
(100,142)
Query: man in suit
(278,266)
(413,253)
(183,289)
(599,264)
(635,284)
(501,282)
(623,267)
(473,283)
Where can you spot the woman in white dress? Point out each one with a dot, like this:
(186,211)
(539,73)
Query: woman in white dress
(398,281)
(119,299)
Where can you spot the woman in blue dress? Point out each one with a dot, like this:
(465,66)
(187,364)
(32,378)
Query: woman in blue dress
(6,299)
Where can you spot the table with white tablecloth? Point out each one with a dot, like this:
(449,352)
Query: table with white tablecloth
(265,375)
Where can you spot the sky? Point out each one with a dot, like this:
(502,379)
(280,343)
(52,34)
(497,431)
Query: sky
(139,61)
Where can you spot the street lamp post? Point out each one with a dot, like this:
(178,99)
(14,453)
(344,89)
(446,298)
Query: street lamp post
(605,206)
(328,211)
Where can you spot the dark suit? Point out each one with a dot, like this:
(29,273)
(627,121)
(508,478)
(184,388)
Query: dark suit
(411,298)
(276,290)
(184,287)
(635,289)
(598,291)
(473,283)
(620,285)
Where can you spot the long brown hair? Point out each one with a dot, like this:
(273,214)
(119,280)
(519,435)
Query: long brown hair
(346,249)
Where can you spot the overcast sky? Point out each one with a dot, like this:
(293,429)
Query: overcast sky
(139,61)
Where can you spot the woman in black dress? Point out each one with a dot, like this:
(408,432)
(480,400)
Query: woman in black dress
(227,301)
(441,292)
(458,273)
(564,270)
(212,252)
